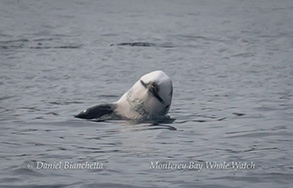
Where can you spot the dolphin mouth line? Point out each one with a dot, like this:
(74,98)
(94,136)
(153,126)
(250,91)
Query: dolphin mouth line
(153,90)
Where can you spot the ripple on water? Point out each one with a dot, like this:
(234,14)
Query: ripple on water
(231,67)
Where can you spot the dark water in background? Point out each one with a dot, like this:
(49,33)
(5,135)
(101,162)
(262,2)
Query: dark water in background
(232,71)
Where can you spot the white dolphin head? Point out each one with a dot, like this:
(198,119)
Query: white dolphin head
(149,97)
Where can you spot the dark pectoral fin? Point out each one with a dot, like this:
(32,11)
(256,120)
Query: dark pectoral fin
(96,111)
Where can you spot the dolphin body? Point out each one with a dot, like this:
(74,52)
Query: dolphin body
(149,98)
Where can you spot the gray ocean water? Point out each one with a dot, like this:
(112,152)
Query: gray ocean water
(231,63)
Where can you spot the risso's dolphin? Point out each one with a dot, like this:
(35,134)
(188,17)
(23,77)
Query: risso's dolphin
(149,98)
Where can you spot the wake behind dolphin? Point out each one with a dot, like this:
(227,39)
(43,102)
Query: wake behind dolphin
(149,98)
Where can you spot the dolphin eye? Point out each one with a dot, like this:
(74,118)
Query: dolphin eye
(154,86)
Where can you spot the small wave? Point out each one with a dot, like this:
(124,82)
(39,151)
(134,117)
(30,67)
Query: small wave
(108,96)
(238,114)
(6,97)
(14,41)
(45,39)
(64,102)
(243,55)
(196,38)
(143,44)
(41,43)
(56,47)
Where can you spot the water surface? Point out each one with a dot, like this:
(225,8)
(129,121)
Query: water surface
(232,71)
